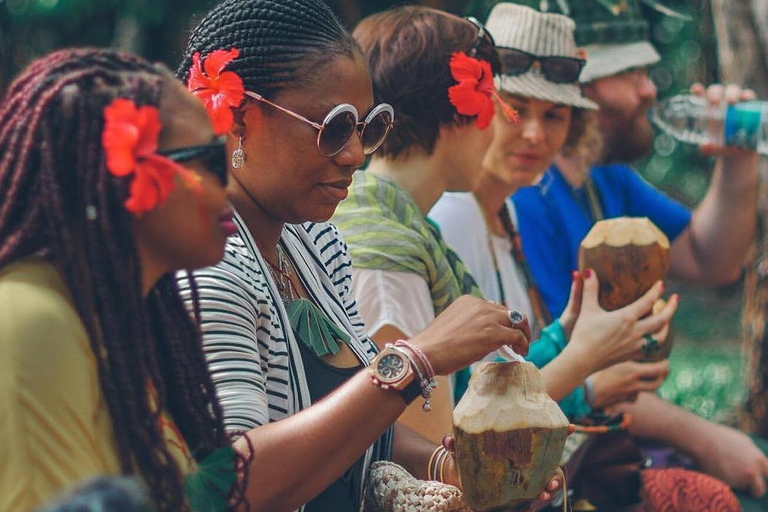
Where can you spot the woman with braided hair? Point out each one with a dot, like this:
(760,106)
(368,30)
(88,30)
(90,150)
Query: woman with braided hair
(286,348)
(111,179)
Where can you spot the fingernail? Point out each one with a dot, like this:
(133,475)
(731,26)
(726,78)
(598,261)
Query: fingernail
(663,286)
(575,275)
(587,273)
(676,297)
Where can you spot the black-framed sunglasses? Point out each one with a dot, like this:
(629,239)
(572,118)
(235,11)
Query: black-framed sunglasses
(556,69)
(213,156)
(341,122)
(483,35)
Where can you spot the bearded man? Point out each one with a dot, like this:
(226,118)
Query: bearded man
(708,244)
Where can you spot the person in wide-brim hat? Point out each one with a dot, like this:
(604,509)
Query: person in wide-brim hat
(539,55)
(541,68)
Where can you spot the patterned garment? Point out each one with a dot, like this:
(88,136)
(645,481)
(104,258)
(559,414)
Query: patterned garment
(252,352)
(680,490)
(385,230)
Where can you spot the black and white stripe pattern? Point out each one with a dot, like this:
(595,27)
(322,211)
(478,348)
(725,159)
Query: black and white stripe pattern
(251,350)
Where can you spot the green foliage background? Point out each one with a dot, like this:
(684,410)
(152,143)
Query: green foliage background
(157,29)
(707,323)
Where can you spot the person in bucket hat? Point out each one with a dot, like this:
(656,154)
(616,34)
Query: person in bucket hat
(708,244)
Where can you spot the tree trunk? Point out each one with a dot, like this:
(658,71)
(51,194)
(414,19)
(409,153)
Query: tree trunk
(742,32)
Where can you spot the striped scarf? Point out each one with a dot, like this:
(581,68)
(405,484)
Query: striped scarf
(385,230)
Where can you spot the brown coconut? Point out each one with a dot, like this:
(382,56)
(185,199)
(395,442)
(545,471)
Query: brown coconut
(628,255)
(510,436)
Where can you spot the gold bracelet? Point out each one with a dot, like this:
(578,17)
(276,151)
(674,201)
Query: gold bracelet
(430,473)
(441,465)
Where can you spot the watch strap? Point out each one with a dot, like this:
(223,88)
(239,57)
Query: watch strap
(412,391)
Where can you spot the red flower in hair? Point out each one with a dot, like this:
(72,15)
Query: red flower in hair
(475,92)
(219,90)
(130,144)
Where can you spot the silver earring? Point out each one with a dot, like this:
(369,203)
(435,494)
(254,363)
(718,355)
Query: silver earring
(238,155)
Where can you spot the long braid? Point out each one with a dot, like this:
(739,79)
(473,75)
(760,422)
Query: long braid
(52,171)
(280,41)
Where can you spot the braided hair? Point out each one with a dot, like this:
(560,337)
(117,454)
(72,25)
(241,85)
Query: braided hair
(281,42)
(53,177)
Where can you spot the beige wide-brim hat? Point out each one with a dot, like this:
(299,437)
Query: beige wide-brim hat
(542,34)
(611,59)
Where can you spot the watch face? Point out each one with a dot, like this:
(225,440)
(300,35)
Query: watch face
(390,368)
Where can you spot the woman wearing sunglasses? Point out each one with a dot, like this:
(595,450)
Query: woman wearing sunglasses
(481,226)
(292,363)
(436,70)
(112,179)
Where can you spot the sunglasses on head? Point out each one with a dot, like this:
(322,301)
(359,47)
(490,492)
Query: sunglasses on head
(341,123)
(483,35)
(213,156)
(556,69)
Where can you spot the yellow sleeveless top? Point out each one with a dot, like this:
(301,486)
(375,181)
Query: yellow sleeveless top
(55,428)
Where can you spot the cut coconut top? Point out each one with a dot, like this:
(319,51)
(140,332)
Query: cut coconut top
(623,231)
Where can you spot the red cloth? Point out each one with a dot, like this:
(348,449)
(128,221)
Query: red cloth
(680,490)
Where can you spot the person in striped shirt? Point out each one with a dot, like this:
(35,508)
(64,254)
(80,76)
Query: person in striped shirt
(284,342)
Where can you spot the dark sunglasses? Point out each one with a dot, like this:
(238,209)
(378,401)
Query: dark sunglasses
(556,69)
(341,122)
(483,35)
(213,157)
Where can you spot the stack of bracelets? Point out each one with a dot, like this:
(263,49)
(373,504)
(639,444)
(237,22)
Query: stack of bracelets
(436,464)
(421,365)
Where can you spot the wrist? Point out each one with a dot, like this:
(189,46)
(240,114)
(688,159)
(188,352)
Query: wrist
(415,374)
(579,360)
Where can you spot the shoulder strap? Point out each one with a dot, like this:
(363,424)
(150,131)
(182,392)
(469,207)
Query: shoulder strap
(543,316)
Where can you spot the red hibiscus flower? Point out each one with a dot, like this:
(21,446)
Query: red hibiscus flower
(220,90)
(475,92)
(130,144)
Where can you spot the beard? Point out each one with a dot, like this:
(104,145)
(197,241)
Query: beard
(626,137)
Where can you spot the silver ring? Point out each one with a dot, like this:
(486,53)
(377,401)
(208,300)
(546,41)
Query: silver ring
(516,318)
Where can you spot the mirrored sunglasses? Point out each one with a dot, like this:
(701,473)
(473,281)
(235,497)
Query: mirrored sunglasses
(483,35)
(341,123)
(556,69)
(213,157)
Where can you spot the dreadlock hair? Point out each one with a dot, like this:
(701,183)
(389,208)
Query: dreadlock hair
(54,177)
(281,42)
(409,51)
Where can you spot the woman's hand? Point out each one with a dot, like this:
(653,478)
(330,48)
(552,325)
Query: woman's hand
(624,381)
(603,338)
(468,330)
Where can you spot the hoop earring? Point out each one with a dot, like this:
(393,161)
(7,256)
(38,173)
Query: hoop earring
(238,155)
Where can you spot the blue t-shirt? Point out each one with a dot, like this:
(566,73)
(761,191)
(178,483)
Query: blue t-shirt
(553,219)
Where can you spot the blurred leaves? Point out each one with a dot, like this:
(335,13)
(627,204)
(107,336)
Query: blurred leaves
(156,29)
